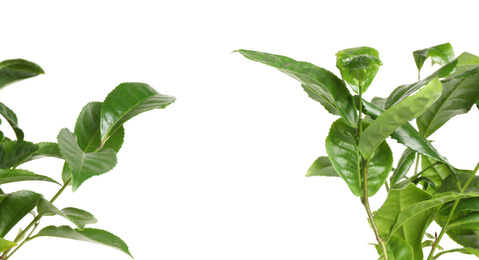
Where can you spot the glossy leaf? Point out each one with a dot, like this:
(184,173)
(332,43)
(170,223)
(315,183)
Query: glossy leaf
(314,95)
(322,167)
(465,62)
(436,173)
(405,162)
(396,116)
(11,118)
(411,231)
(318,80)
(78,217)
(5,245)
(440,54)
(458,96)
(469,221)
(399,249)
(344,154)
(126,101)
(88,235)
(358,66)
(83,165)
(403,91)
(14,153)
(15,175)
(14,207)
(407,135)
(17,69)
(379,168)
(45,149)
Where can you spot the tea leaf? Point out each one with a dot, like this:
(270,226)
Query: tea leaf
(399,249)
(358,66)
(15,175)
(322,167)
(78,217)
(45,149)
(469,221)
(5,245)
(440,54)
(11,118)
(405,162)
(126,101)
(323,83)
(16,70)
(394,117)
(98,236)
(14,207)
(14,153)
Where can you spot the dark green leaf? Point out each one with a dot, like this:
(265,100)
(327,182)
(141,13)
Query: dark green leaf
(14,153)
(17,69)
(15,175)
(314,95)
(77,216)
(84,165)
(407,160)
(318,80)
(379,168)
(344,154)
(11,118)
(14,207)
(5,245)
(126,101)
(88,235)
(358,66)
(404,91)
(396,116)
(440,54)
(411,231)
(322,167)
(45,149)
(407,135)
(469,221)
(458,96)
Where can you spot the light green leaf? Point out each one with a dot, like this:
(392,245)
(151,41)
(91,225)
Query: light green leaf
(344,154)
(17,69)
(14,207)
(126,101)
(98,236)
(14,153)
(398,249)
(396,116)
(15,175)
(78,217)
(358,66)
(469,221)
(5,245)
(436,173)
(440,54)
(458,97)
(45,149)
(397,201)
(11,118)
(405,162)
(322,167)
(472,251)
(323,83)
(83,165)
(314,95)
(465,62)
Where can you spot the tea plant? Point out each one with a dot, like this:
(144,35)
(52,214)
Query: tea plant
(90,150)
(358,152)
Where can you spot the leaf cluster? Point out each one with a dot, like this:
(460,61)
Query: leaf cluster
(358,151)
(90,150)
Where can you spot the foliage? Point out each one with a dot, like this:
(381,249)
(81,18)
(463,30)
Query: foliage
(358,151)
(88,151)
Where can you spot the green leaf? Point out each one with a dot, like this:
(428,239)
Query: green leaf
(78,217)
(88,235)
(458,97)
(407,135)
(394,117)
(379,168)
(472,251)
(322,167)
(314,95)
(344,154)
(45,149)
(5,245)
(17,69)
(358,66)
(398,249)
(87,130)
(14,207)
(15,175)
(83,165)
(126,101)
(397,201)
(407,160)
(14,153)
(440,54)
(469,221)
(403,91)
(318,80)
(11,118)
(465,62)
(436,173)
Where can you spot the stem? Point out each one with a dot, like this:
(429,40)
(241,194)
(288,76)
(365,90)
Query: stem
(451,213)
(33,223)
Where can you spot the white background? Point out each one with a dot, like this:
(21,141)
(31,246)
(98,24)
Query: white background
(220,173)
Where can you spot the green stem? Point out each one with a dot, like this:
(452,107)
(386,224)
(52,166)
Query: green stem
(33,223)
(451,213)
